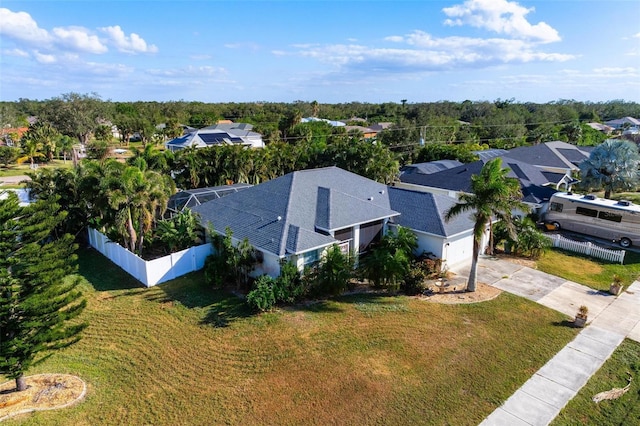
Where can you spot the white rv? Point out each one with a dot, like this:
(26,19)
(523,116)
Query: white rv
(617,221)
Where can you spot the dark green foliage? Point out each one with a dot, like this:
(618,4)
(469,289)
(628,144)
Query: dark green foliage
(8,155)
(494,196)
(262,297)
(97,150)
(389,262)
(179,232)
(527,241)
(37,295)
(229,263)
(334,273)
(289,286)
(426,266)
(460,152)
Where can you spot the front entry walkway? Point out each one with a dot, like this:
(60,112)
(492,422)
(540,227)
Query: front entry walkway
(542,397)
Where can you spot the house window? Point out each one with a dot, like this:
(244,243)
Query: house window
(310,257)
(586,212)
(555,207)
(613,217)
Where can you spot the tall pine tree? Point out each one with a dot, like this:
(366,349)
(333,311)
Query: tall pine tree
(38,296)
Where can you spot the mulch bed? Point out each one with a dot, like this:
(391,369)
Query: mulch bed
(44,392)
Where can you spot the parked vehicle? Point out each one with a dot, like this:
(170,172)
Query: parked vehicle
(617,221)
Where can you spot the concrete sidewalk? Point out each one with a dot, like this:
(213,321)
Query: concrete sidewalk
(544,395)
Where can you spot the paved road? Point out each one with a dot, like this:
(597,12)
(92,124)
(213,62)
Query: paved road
(13,180)
(612,319)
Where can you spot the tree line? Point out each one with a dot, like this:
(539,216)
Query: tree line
(501,123)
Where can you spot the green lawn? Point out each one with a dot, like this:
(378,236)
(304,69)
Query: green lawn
(181,353)
(591,272)
(625,410)
(24,168)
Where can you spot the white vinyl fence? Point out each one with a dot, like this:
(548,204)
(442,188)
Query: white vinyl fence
(151,272)
(588,248)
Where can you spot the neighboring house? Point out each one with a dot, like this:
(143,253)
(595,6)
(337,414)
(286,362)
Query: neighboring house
(556,156)
(218,134)
(536,187)
(601,127)
(333,123)
(7,134)
(624,123)
(298,216)
(429,167)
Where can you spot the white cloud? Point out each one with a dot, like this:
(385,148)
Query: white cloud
(44,58)
(426,53)
(16,52)
(243,45)
(190,71)
(636,35)
(78,38)
(502,17)
(20,26)
(200,57)
(128,44)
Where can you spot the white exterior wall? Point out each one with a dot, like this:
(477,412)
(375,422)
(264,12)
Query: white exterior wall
(270,266)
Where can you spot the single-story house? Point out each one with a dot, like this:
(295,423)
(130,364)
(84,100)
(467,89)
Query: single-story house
(556,156)
(298,216)
(536,187)
(218,134)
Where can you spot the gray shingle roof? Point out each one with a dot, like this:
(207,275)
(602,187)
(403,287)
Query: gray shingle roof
(423,211)
(550,154)
(287,214)
(532,180)
(430,167)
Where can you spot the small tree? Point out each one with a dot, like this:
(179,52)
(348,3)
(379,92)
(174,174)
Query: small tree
(229,262)
(262,297)
(389,262)
(612,166)
(494,195)
(179,232)
(334,272)
(8,155)
(37,296)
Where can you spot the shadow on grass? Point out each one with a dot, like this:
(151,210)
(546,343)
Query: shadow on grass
(191,291)
(565,323)
(103,274)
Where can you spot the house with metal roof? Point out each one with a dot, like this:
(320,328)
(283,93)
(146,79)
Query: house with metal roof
(298,216)
(218,134)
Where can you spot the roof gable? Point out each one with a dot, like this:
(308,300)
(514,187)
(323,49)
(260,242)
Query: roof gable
(293,213)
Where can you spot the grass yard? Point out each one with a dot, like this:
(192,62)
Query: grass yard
(24,168)
(625,410)
(591,272)
(183,354)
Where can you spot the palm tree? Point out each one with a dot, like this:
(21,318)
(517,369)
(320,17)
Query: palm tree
(612,165)
(493,195)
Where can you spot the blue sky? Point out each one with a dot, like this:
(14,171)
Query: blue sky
(329,51)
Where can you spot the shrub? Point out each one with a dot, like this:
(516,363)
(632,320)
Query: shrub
(262,296)
(334,272)
(289,287)
(413,282)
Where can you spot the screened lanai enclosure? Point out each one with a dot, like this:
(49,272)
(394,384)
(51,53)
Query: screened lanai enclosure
(194,197)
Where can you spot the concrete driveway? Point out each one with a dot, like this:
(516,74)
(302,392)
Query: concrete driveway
(548,290)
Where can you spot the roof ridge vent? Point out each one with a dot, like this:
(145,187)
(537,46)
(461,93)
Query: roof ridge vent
(626,203)
(589,197)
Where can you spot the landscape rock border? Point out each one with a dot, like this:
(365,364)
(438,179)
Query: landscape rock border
(39,383)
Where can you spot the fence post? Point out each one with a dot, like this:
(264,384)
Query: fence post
(588,249)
